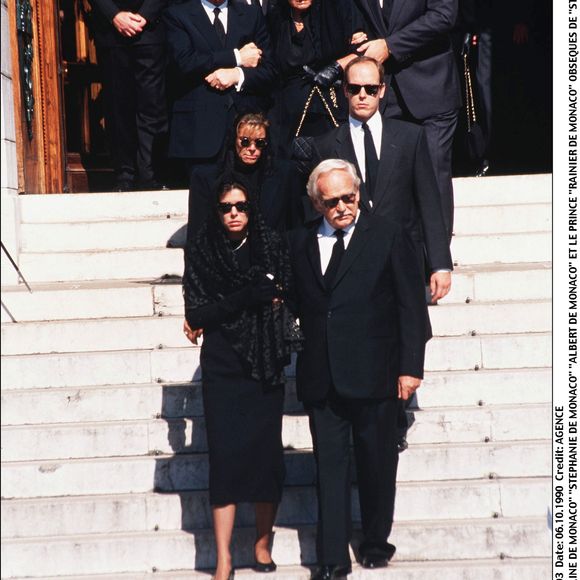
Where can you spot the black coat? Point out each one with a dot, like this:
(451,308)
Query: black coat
(107,35)
(405,191)
(200,114)
(422,60)
(370,327)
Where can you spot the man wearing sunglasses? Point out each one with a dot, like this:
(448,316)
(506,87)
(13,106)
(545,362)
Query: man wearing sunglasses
(361,305)
(393,162)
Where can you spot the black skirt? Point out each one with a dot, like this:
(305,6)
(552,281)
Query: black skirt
(244,428)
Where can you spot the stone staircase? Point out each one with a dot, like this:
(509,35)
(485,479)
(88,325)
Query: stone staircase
(104,465)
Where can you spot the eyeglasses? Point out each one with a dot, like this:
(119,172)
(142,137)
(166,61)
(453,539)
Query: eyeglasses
(355,89)
(259,143)
(333,201)
(225,208)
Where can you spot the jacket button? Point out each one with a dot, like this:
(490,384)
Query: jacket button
(329,314)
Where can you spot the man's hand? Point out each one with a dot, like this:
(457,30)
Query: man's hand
(440,284)
(128,23)
(407,386)
(250,55)
(223,78)
(358,37)
(192,335)
(376,49)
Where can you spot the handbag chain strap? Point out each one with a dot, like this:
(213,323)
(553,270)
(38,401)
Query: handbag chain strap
(469,102)
(316,89)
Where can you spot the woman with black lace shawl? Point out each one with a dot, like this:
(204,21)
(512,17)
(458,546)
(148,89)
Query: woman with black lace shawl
(236,286)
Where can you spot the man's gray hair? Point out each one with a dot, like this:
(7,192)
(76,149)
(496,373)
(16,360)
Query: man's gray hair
(327,166)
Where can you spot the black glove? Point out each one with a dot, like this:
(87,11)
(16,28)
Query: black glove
(326,76)
(261,291)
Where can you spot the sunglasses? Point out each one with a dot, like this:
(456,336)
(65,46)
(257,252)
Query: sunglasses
(259,143)
(333,202)
(242,206)
(355,89)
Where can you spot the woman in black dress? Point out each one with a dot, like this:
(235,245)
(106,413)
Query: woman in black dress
(235,285)
(312,43)
(274,184)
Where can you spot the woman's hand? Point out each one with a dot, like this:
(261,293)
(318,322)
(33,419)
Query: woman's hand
(223,78)
(192,335)
(359,37)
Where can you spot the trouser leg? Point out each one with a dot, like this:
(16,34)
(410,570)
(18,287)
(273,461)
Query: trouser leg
(330,429)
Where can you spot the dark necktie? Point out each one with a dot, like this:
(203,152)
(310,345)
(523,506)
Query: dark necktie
(335,258)
(371,162)
(387,7)
(219,27)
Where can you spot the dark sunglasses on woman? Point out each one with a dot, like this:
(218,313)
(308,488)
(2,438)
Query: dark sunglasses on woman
(347,198)
(355,89)
(259,143)
(242,206)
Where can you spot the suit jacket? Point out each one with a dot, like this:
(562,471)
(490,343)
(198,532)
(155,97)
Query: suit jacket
(422,60)
(406,190)
(370,327)
(107,35)
(201,115)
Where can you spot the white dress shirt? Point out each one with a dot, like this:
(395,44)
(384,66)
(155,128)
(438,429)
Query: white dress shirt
(327,239)
(357,135)
(223,17)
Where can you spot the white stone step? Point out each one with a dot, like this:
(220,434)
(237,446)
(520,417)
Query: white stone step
(155,232)
(446,500)
(95,207)
(125,298)
(28,371)
(502,190)
(100,236)
(154,262)
(155,436)
(500,282)
(500,219)
(166,331)
(502,248)
(105,265)
(27,479)
(491,318)
(165,551)
(138,402)
(490,569)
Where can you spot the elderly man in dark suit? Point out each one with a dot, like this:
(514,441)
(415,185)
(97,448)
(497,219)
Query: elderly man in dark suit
(412,39)
(220,65)
(130,40)
(362,309)
(393,162)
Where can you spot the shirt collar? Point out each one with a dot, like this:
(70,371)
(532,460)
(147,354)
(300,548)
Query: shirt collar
(209,6)
(374,123)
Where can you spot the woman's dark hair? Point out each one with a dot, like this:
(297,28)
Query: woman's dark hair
(229,185)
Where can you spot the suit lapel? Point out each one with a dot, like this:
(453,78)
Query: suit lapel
(345,150)
(204,26)
(371,8)
(359,239)
(389,157)
(395,9)
(236,15)
(313,252)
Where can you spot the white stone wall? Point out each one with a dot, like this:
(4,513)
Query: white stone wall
(9,171)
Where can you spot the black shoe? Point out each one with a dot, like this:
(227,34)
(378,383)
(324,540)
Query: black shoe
(269,567)
(123,185)
(483,169)
(402,444)
(330,572)
(372,562)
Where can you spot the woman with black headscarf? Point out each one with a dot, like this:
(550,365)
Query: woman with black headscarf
(273,184)
(236,287)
